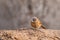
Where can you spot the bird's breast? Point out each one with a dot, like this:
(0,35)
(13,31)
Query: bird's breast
(33,24)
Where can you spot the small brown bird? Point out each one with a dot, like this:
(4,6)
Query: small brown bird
(36,23)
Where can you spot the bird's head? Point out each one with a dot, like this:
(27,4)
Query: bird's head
(34,19)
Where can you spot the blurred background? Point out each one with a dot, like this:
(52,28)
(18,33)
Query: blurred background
(18,13)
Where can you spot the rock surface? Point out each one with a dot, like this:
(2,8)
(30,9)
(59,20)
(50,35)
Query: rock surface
(30,34)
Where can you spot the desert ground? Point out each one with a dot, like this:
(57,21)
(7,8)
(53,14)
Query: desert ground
(30,34)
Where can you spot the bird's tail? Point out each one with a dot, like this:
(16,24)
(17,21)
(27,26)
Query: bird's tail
(43,27)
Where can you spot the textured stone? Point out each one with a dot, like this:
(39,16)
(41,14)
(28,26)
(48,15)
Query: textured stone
(29,34)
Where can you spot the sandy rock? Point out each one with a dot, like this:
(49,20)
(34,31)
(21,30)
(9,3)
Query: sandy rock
(30,34)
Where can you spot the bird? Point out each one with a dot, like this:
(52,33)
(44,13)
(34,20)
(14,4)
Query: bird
(36,23)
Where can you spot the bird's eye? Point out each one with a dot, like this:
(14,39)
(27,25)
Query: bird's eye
(34,19)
